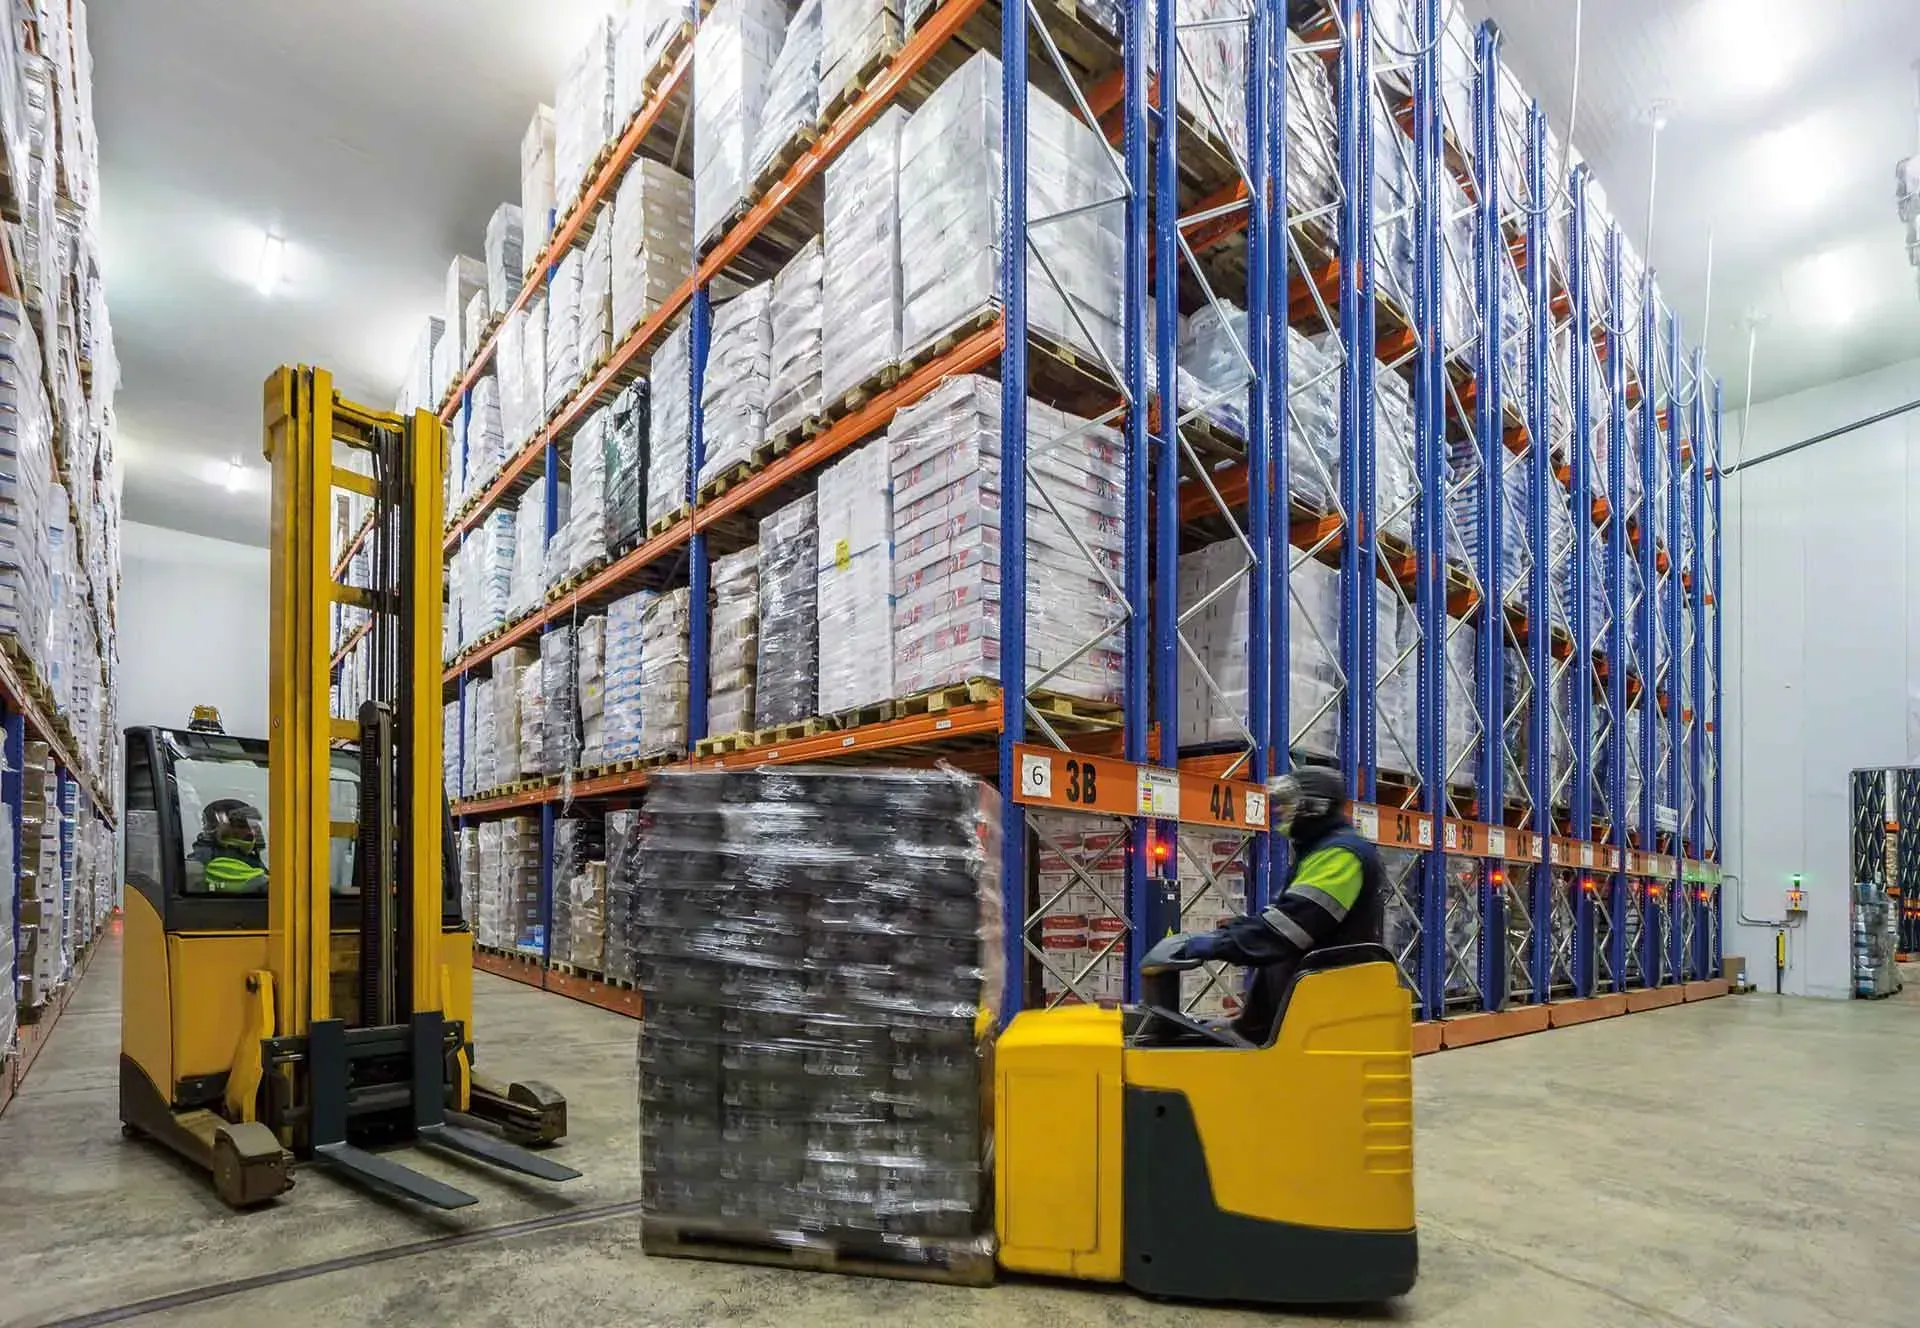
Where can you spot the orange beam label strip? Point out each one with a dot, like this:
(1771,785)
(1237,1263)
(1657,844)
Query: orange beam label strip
(1071,781)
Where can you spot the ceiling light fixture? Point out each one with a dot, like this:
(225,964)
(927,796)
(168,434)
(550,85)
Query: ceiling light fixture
(273,253)
(236,475)
(1798,164)
(1753,43)
(1827,287)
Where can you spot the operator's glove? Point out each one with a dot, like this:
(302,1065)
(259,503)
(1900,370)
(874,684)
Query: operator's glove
(1205,946)
(1166,952)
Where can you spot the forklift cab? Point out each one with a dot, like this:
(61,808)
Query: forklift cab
(190,943)
(1142,1146)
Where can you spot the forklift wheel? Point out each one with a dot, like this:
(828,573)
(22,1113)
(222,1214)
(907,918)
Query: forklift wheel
(249,1166)
(128,1130)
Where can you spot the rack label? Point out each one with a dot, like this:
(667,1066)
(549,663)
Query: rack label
(1036,776)
(1497,843)
(1367,821)
(1159,793)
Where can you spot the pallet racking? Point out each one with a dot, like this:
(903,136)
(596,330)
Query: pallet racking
(1535,360)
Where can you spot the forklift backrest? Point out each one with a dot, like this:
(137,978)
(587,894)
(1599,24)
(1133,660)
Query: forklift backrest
(1323,961)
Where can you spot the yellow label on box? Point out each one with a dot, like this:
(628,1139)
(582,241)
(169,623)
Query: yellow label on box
(842,555)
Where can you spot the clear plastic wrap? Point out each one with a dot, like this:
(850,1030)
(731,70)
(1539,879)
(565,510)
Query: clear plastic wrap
(854,557)
(579,891)
(797,321)
(735,643)
(466,278)
(652,241)
(533,363)
(861,285)
(594,338)
(1395,488)
(950,201)
(625,466)
(529,575)
(532,705)
(946,485)
(582,113)
(510,668)
(665,659)
(519,398)
(1312,135)
(1313,422)
(536,185)
(854,36)
(505,260)
(1217,632)
(786,672)
(489,595)
(818,952)
(623,704)
(734,51)
(669,441)
(563,329)
(733,392)
(590,670)
(582,541)
(1313,660)
(641,31)
(793,89)
(486,447)
(623,867)
(560,708)
(1396,670)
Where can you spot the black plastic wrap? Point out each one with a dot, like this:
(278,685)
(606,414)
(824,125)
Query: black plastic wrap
(819,953)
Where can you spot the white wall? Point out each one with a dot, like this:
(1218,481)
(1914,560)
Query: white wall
(1822,668)
(193,628)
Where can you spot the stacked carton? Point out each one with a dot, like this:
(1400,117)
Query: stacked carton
(796,324)
(793,90)
(861,298)
(854,557)
(536,185)
(1081,883)
(505,262)
(734,51)
(625,466)
(855,35)
(733,393)
(652,241)
(786,668)
(665,660)
(669,429)
(623,704)
(582,114)
(734,649)
(641,31)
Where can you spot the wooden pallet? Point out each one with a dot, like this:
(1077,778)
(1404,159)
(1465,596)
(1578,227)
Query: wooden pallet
(788,439)
(792,732)
(958,1262)
(726,742)
(859,716)
(936,699)
(725,480)
(871,67)
(861,393)
(974,322)
(791,151)
(574,580)
(1076,709)
(576,971)
(667,522)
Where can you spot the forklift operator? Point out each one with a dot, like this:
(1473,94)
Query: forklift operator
(1332,897)
(226,854)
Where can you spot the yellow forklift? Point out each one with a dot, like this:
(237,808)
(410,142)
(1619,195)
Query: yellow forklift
(297,976)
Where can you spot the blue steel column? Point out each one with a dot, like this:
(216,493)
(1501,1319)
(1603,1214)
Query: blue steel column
(1279,736)
(1580,502)
(551,521)
(699,332)
(1363,518)
(12,793)
(1430,560)
(1260,336)
(1696,496)
(1616,536)
(1161,905)
(1671,610)
(1356,404)
(1647,621)
(1013,496)
(1490,427)
(1539,535)
(1137,693)
(1713,968)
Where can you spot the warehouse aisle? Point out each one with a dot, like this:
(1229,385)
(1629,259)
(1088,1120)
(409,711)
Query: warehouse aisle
(1622,1209)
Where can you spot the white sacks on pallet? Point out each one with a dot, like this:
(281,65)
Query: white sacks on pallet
(950,209)
(582,113)
(946,484)
(734,646)
(862,292)
(641,31)
(623,704)
(733,392)
(590,652)
(563,329)
(793,90)
(466,278)
(536,185)
(593,341)
(855,35)
(669,428)
(733,56)
(786,665)
(854,558)
(652,241)
(796,327)
(505,261)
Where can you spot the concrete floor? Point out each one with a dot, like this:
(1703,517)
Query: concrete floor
(1742,1162)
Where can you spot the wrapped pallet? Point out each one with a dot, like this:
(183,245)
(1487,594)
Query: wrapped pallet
(669,432)
(946,484)
(563,330)
(793,90)
(855,36)
(854,559)
(728,915)
(593,338)
(651,241)
(950,212)
(582,114)
(529,576)
(466,278)
(796,323)
(505,260)
(590,644)
(625,466)
(861,293)
(641,31)
(733,392)
(536,186)
(665,660)
(560,702)
(623,866)
(623,702)
(786,666)
(734,648)
(532,705)
(486,440)
(734,51)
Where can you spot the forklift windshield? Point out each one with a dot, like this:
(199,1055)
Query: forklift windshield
(220,787)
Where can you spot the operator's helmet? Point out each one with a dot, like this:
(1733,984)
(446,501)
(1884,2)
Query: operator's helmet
(234,823)
(1308,792)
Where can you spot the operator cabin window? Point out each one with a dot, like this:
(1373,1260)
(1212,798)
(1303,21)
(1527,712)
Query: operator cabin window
(142,817)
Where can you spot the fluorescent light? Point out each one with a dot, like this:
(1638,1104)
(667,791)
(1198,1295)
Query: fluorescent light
(1750,45)
(236,475)
(273,253)
(1826,287)
(1799,164)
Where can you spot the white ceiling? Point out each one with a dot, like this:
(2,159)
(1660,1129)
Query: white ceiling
(377,137)
(1784,121)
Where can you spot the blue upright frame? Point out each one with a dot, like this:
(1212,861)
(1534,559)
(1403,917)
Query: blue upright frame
(1614,745)
(1540,533)
(1580,501)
